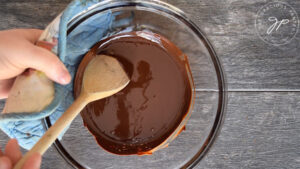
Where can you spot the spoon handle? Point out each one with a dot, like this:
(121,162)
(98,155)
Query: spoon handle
(53,132)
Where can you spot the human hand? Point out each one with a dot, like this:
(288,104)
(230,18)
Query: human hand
(18,52)
(12,155)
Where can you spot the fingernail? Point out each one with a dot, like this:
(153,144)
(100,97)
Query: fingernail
(5,163)
(37,160)
(64,78)
(14,141)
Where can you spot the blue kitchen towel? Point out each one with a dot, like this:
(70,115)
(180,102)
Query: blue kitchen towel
(71,48)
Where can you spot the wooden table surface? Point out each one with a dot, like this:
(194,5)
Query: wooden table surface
(262,122)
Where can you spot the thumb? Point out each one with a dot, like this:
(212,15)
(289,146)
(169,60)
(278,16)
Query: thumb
(5,163)
(33,162)
(45,61)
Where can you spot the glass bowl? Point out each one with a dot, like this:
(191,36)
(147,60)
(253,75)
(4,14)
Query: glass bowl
(78,146)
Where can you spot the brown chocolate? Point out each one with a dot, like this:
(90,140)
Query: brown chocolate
(150,108)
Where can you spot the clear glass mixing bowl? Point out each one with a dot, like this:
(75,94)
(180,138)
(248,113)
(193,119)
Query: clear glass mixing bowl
(79,147)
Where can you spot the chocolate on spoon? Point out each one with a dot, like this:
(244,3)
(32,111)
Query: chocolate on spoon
(103,77)
(152,110)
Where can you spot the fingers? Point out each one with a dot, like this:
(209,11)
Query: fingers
(33,162)
(5,86)
(1,153)
(31,35)
(12,151)
(45,61)
(5,163)
(24,54)
(13,155)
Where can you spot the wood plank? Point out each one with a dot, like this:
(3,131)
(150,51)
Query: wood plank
(249,63)
(261,130)
(29,14)
(82,145)
(51,159)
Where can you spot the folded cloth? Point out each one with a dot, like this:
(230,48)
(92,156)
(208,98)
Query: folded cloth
(71,49)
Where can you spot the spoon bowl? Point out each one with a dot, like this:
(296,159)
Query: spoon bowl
(103,77)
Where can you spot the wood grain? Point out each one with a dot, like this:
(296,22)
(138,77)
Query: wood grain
(29,14)
(249,62)
(51,158)
(261,129)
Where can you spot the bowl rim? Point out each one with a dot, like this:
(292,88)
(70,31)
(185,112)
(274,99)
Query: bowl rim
(178,14)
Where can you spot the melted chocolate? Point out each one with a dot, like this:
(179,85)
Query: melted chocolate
(151,107)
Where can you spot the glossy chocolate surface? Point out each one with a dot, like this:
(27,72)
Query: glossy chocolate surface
(150,108)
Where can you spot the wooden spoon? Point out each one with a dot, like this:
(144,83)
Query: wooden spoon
(103,77)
